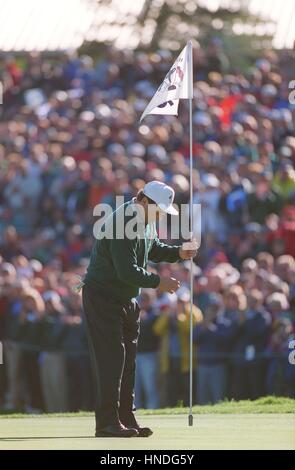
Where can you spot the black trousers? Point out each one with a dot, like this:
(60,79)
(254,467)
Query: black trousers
(112,329)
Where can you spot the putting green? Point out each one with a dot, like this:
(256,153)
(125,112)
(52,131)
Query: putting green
(215,431)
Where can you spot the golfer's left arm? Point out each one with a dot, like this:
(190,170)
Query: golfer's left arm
(161,252)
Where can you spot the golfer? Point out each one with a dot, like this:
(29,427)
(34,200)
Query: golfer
(116,272)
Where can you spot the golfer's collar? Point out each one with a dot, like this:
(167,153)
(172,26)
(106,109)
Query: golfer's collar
(138,212)
(151,227)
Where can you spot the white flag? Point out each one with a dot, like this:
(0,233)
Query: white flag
(178,84)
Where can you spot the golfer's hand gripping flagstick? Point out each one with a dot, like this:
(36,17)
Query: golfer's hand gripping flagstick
(190,246)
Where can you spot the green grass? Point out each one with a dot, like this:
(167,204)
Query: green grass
(267,423)
(171,432)
(264,405)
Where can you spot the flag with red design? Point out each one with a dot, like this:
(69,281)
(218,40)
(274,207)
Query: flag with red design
(176,86)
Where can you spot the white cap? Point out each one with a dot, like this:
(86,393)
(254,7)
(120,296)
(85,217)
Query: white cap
(162,195)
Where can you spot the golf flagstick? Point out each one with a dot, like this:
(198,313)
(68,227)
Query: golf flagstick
(178,84)
(190,80)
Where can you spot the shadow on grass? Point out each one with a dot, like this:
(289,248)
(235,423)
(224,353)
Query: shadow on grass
(13,439)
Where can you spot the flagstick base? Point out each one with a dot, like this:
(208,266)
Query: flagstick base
(190,420)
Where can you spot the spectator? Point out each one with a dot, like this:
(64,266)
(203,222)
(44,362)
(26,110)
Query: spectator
(28,337)
(280,373)
(147,373)
(75,351)
(52,361)
(233,201)
(264,200)
(209,198)
(282,231)
(212,336)
(284,180)
(265,261)
(14,291)
(249,346)
(173,328)
(278,306)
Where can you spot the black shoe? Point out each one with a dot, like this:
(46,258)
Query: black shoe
(143,432)
(133,424)
(116,430)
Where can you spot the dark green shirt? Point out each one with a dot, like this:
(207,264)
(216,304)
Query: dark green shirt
(117,266)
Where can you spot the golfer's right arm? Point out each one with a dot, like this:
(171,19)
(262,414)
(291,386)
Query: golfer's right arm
(125,261)
(126,265)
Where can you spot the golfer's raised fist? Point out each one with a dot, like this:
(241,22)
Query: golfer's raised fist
(169,284)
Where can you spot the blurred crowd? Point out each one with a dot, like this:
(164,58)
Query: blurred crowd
(70,138)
